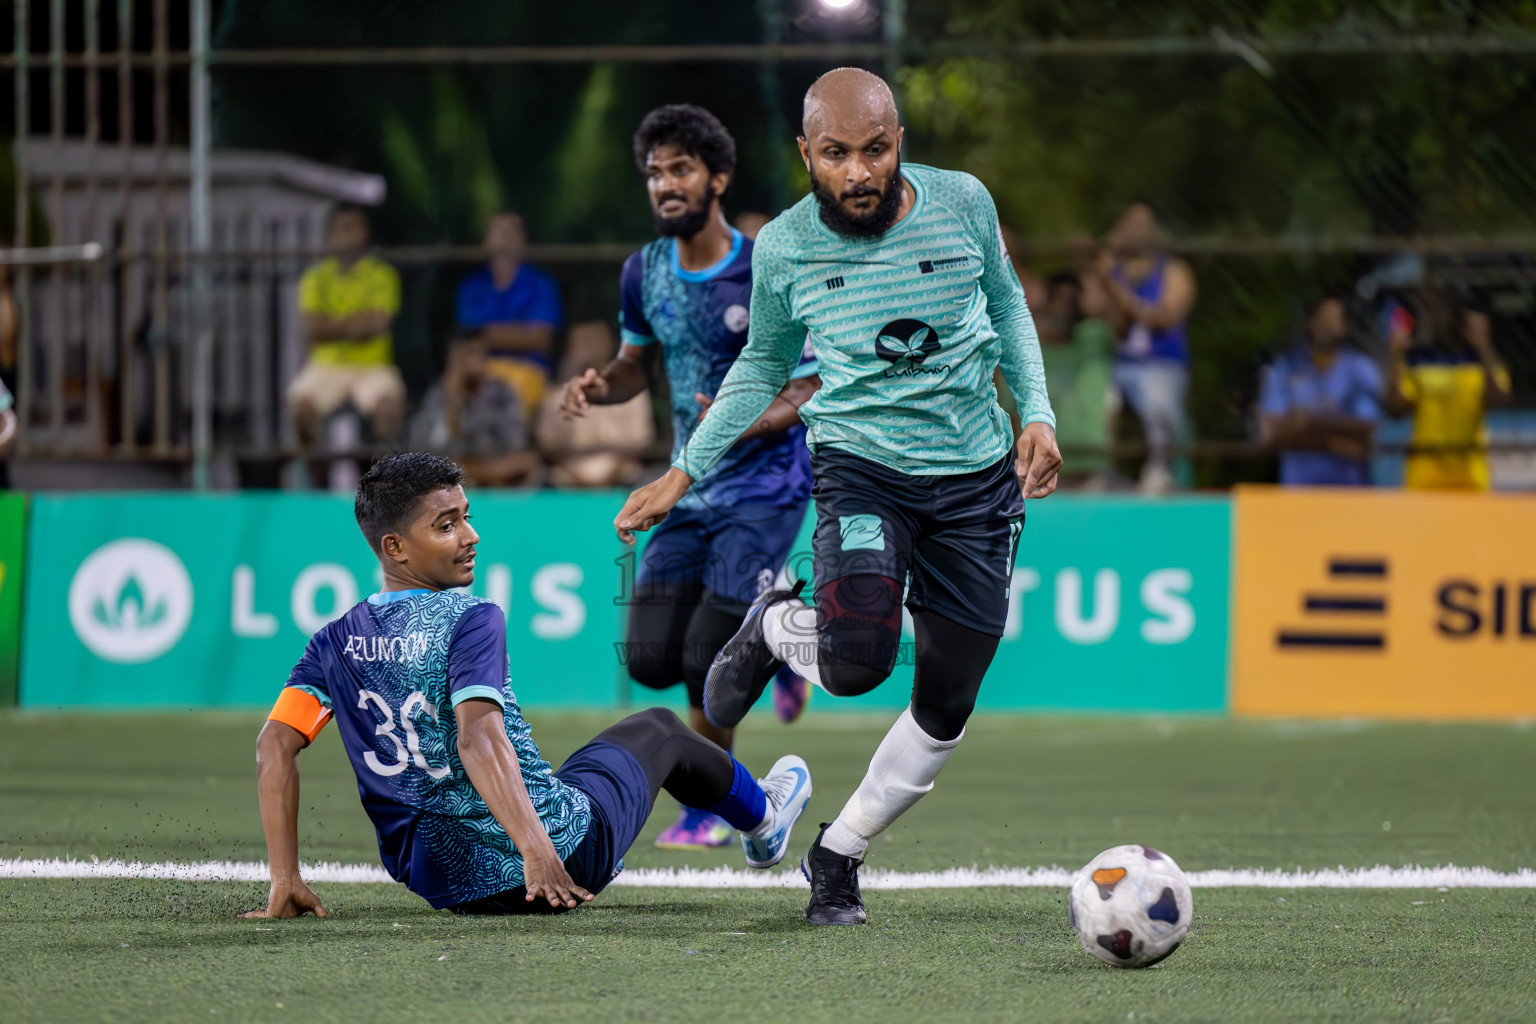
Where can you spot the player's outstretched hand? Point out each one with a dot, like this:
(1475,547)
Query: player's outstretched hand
(650,504)
(580,392)
(545,877)
(290,899)
(1039,460)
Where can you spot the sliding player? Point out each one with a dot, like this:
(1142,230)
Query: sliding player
(469,816)
(689,291)
(901,278)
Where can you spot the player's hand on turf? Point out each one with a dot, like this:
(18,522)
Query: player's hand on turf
(1038,463)
(650,504)
(580,392)
(290,899)
(545,877)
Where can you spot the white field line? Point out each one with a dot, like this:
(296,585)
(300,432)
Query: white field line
(1381,877)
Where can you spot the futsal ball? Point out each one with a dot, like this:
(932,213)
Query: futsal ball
(1130,906)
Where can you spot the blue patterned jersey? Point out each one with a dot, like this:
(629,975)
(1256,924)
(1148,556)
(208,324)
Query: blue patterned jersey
(700,318)
(391,670)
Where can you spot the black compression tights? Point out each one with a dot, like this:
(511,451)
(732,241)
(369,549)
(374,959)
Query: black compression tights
(858,629)
(951,661)
(674,634)
(675,758)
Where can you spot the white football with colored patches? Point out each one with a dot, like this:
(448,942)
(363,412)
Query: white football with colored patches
(1130,906)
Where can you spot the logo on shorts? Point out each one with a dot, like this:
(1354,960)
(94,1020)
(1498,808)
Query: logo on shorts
(130,600)
(906,345)
(736,318)
(862,532)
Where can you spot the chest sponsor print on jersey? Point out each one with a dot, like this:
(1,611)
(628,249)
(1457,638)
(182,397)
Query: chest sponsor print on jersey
(907,345)
(929,266)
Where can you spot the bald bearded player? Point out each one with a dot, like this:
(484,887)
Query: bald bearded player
(899,277)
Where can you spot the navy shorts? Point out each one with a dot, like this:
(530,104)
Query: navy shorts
(726,551)
(956,535)
(620,796)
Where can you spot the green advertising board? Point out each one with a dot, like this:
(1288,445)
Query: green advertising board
(1118,604)
(180,601)
(194,602)
(13,528)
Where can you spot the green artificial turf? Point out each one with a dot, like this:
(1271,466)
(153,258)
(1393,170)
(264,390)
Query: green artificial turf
(1021,792)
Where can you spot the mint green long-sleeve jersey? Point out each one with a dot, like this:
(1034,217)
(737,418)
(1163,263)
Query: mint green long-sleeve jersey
(907,329)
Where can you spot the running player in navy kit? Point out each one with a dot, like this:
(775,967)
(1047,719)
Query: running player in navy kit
(469,815)
(689,292)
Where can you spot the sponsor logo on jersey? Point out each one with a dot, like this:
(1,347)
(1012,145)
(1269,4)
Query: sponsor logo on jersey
(907,346)
(834,283)
(736,318)
(130,600)
(929,266)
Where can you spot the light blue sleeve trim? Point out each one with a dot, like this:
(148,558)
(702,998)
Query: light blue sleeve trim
(1047,417)
(317,693)
(809,368)
(629,337)
(391,596)
(488,692)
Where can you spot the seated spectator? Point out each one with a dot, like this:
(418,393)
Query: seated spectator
(348,302)
(512,310)
(1320,403)
(1448,374)
(602,448)
(477,420)
(1079,353)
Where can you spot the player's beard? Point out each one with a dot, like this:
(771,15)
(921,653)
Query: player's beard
(859,225)
(687,224)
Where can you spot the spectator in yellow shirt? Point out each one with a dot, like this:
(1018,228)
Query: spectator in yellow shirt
(1448,379)
(348,302)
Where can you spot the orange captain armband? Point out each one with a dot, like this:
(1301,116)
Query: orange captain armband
(302,711)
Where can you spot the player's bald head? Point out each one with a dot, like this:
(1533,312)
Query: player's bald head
(848,101)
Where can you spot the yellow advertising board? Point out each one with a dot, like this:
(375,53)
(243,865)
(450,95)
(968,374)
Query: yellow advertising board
(1383,603)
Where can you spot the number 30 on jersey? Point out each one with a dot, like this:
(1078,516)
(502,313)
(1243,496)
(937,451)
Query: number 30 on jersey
(406,753)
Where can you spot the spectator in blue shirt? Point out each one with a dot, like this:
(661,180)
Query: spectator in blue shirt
(1320,404)
(511,311)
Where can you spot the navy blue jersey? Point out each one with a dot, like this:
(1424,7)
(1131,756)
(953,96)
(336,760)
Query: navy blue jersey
(391,670)
(700,318)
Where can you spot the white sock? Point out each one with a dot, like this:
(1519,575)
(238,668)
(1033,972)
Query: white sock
(902,770)
(789,630)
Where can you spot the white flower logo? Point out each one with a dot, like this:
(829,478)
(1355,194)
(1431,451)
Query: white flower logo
(130,600)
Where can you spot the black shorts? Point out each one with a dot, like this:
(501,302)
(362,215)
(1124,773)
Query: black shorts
(956,535)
